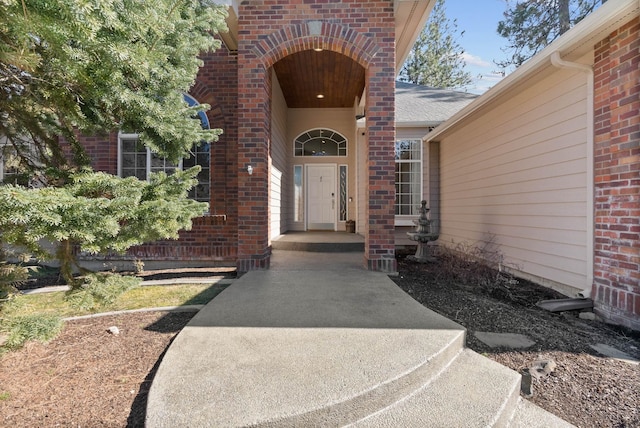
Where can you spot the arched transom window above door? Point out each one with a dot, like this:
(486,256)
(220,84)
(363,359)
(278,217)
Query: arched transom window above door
(320,142)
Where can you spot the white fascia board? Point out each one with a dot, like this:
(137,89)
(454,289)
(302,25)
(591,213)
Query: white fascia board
(596,25)
(418,124)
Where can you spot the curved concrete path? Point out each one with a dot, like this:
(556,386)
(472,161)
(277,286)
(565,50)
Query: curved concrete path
(319,341)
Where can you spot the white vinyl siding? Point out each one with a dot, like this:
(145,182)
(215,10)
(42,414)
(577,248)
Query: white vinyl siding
(518,175)
(280,190)
(275,202)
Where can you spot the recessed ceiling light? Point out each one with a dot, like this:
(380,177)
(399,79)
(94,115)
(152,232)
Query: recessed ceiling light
(319,96)
(317,49)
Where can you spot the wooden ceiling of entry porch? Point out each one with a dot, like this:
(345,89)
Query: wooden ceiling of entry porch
(306,74)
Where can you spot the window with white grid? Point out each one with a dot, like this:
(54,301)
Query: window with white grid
(136,160)
(408,156)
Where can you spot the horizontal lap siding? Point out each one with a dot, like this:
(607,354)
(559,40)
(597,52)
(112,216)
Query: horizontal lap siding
(518,175)
(281,174)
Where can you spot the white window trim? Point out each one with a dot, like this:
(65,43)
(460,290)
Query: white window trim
(409,220)
(346,143)
(122,136)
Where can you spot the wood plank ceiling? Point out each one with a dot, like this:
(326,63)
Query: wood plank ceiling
(305,75)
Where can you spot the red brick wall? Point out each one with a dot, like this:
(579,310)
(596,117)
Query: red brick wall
(616,288)
(273,29)
(103,152)
(213,238)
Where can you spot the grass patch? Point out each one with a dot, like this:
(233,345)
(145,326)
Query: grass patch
(38,316)
(137,298)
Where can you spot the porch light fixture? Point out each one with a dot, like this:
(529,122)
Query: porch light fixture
(318,49)
(250,169)
(319,96)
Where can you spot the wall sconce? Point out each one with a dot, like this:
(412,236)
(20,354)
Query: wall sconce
(250,169)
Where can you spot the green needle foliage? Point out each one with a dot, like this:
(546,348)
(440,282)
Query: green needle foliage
(436,58)
(72,67)
(530,25)
(97,213)
(23,328)
(97,65)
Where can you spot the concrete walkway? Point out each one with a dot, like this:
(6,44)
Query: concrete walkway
(319,341)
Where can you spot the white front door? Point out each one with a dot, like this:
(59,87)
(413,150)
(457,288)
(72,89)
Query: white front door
(321,197)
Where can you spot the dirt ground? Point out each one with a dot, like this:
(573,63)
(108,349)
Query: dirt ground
(88,377)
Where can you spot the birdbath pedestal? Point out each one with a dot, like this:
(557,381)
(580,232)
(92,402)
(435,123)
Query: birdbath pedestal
(423,235)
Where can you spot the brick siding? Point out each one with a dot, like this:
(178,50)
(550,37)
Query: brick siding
(212,239)
(616,288)
(238,88)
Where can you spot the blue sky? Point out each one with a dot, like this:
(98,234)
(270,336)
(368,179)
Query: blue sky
(481,43)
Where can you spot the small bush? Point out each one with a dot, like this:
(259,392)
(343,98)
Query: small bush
(101,290)
(11,275)
(22,329)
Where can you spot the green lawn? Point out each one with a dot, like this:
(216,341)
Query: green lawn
(140,297)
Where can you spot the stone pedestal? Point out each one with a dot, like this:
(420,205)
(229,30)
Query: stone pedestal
(423,235)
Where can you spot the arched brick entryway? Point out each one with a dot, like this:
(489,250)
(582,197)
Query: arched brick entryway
(363,31)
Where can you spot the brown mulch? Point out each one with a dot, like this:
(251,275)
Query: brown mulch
(88,377)
(585,388)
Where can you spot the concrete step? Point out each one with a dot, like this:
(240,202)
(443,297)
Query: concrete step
(472,392)
(528,415)
(386,393)
(319,242)
(319,247)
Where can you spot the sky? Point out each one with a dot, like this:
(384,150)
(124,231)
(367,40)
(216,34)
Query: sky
(480,41)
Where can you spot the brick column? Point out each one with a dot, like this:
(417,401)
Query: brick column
(254,130)
(381,133)
(616,288)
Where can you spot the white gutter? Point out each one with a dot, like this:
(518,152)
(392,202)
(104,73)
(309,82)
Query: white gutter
(419,124)
(600,21)
(557,61)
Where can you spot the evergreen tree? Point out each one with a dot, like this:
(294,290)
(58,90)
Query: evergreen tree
(531,25)
(78,66)
(436,58)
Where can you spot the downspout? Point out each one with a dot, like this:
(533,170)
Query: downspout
(560,63)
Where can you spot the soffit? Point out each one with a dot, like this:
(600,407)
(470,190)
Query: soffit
(410,17)
(306,74)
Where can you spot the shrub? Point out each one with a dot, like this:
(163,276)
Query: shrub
(101,290)
(22,329)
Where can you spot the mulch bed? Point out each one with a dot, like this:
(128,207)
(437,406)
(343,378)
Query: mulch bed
(586,388)
(87,377)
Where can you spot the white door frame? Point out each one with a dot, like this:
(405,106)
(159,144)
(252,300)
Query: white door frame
(334,191)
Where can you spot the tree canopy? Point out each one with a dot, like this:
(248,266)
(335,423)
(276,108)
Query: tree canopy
(436,58)
(530,25)
(70,67)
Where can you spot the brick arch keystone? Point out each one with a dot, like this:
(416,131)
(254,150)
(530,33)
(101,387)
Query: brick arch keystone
(315,34)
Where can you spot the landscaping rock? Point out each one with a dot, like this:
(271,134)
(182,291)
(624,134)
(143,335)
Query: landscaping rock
(611,352)
(542,368)
(590,316)
(504,340)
